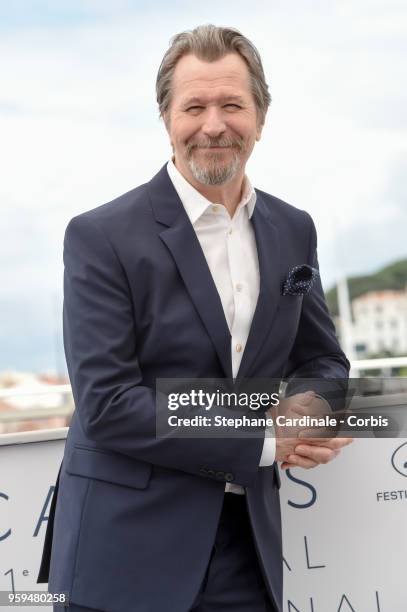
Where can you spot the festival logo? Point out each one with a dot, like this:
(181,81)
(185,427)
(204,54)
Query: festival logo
(399,459)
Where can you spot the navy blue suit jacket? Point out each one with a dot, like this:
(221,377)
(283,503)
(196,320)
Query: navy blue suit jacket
(134,516)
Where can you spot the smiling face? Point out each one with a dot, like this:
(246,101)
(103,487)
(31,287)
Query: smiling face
(212,120)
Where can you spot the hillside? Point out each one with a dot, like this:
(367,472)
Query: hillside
(393,276)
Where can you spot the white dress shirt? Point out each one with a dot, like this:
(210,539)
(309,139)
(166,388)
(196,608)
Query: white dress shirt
(229,246)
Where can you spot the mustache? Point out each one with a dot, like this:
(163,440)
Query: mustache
(207,143)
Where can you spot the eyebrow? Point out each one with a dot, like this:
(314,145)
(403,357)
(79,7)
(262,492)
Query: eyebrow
(223,99)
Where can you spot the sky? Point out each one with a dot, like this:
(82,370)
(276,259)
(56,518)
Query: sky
(79,126)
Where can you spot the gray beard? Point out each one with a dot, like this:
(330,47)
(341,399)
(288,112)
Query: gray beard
(213,174)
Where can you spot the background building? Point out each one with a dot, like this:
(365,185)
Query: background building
(380,323)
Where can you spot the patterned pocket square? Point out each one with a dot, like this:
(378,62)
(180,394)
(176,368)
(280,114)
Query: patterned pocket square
(300,280)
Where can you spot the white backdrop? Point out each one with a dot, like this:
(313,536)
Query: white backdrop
(344,525)
(344,530)
(27,473)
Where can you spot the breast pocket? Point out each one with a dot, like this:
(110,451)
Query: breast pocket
(108,466)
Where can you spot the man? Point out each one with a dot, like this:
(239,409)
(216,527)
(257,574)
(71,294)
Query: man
(182,278)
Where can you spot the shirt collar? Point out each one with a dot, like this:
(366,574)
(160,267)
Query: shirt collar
(195,203)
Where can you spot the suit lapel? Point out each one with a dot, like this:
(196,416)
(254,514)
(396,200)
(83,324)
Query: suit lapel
(180,238)
(268,251)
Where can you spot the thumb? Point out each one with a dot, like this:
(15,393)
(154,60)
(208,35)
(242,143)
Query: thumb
(306,398)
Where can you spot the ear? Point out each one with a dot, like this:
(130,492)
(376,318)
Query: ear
(260,126)
(166,118)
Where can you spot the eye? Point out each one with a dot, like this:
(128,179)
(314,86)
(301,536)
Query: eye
(194,109)
(232,106)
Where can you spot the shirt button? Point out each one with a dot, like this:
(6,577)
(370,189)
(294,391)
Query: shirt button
(239,286)
(238,348)
(230,230)
(215,209)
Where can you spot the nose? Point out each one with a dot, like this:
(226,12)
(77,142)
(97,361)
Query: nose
(213,124)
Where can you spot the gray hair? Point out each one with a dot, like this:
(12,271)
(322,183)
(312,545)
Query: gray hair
(210,43)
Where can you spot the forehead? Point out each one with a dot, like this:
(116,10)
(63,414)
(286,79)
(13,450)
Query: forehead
(194,77)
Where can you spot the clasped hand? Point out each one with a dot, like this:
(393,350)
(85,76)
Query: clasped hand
(305,447)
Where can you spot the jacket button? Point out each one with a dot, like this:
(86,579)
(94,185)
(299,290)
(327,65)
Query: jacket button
(210,473)
(203,471)
(229,477)
(220,475)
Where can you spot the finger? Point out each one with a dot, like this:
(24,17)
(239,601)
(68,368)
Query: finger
(300,461)
(315,436)
(311,410)
(333,443)
(287,465)
(297,460)
(337,443)
(304,399)
(319,454)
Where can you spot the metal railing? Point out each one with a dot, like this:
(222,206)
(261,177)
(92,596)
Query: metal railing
(65,410)
(16,419)
(383,363)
